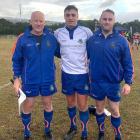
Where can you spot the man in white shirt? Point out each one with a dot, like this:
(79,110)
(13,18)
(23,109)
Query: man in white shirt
(75,81)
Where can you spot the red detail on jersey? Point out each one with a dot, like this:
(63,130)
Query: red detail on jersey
(14,45)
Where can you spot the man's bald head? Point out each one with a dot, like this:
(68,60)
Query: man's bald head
(37,22)
(37,14)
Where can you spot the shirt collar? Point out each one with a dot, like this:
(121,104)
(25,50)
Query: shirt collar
(71,29)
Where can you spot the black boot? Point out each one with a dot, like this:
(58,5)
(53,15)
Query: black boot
(49,136)
(70,134)
(101,136)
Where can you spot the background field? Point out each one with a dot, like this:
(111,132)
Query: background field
(11,126)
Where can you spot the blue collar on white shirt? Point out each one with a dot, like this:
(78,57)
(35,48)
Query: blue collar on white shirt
(71,31)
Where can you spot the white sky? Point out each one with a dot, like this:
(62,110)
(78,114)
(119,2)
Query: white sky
(126,10)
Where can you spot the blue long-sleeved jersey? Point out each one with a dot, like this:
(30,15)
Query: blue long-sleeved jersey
(110,58)
(32,62)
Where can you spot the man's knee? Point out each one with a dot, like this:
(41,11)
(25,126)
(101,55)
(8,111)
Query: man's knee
(100,106)
(82,102)
(71,101)
(115,112)
(47,103)
(82,107)
(99,110)
(114,106)
(28,106)
(48,107)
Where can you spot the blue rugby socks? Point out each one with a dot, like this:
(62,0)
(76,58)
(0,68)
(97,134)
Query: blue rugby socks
(47,120)
(72,116)
(84,117)
(116,123)
(100,118)
(26,119)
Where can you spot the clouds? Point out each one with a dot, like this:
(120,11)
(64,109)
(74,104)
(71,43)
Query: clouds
(128,16)
(88,9)
(55,2)
(66,2)
(106,3)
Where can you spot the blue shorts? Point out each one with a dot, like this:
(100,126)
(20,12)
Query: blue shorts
(32,90)
(101,90)
(75,83)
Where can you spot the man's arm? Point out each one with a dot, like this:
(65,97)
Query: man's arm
(57,51)
(127,67)
(127,63)
(88,46)
(17,60)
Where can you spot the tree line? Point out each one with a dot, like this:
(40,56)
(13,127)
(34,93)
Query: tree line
(10,28)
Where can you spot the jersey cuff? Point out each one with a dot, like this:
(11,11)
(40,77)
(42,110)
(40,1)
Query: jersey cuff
(15,77)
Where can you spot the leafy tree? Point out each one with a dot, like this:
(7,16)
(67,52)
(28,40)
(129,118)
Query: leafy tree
(7,27)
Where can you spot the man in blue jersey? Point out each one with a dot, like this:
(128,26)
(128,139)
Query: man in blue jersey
(75,82)
(110,63)
(33,63)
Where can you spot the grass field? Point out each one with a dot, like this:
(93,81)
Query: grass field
(11,126)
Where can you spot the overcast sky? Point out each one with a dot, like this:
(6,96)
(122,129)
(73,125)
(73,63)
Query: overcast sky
(126,10)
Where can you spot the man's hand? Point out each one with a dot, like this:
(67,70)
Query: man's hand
(126,89)
(17,85)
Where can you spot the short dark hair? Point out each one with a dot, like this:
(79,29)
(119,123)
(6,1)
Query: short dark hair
(108,10)
(71,7)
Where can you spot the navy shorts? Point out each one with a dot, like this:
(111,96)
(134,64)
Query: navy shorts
(75,83)
(101,90)
(32,90)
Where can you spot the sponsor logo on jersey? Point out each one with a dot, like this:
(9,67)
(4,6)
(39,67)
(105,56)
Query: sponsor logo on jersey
(63,40)
(29,45)
(96,42)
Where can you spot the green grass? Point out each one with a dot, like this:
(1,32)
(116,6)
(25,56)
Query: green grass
(10,123)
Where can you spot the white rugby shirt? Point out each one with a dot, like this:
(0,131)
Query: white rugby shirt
(73,51)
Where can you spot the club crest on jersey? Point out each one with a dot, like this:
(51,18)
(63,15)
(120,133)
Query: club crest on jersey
(48,44)
(112,45)
(80,41)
